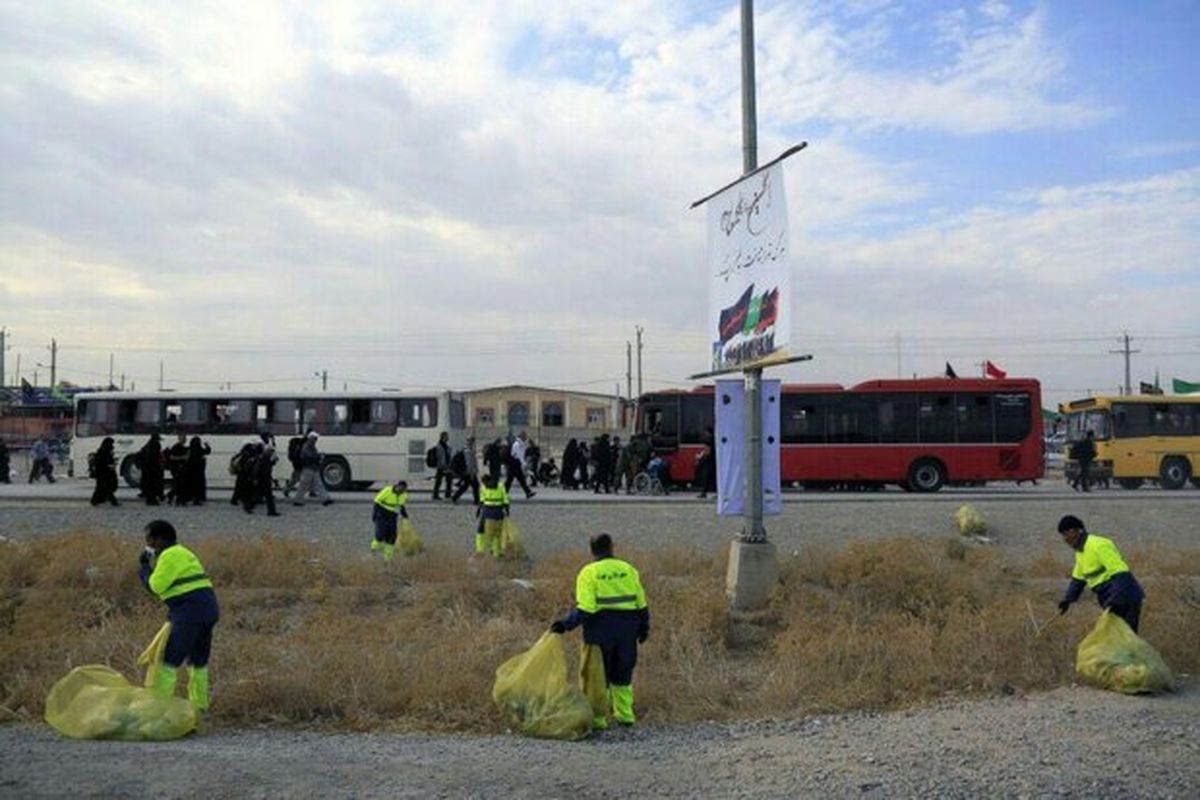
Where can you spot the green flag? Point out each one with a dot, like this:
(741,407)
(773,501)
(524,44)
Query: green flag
(1184,387)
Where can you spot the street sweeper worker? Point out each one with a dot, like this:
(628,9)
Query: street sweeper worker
(610,603)
(1100,567)
(389,507)
(174,575)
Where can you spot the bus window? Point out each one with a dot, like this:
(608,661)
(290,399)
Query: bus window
(126,416)
(660,419)
(897,418)
(193,416)
(851,420)
(148,416)
(373,417)
(936,418)
(327,417)
(973,417)
(1014,417)
(285,418)
(458,414)
(1172,419)
(262,416)
(419,413)
(1130,420)
(802,419)
(697,414)
(96,418)
(231,416)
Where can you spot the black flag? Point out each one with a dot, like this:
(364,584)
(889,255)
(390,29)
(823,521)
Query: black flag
(950,373)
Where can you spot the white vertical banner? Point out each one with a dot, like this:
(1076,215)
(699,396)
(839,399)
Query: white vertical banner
(749,300)
(730,416)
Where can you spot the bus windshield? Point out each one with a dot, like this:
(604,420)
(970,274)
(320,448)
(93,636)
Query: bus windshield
(1080,422)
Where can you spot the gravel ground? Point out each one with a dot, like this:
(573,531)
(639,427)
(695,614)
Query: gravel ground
(1073,742)
(1020,522)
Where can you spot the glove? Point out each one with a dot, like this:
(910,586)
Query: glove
(144,559)
(1063,606)
(643,636)
(557,627)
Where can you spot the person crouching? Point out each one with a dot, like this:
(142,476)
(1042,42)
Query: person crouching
(389,508)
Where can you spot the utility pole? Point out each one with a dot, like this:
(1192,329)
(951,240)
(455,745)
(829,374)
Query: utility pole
(753,530)
(629,370)
(324,376)
(160,375)
(3,347)
(53,364)
(122,381)
(639,351)
(110,371)
(1125,351)
(899,374)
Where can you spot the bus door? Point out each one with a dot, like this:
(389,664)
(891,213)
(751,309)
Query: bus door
(660,419)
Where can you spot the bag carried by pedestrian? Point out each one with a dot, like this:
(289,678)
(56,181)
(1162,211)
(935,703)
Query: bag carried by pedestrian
(407,540)
(97,702)
(512,544)
(1113,657)
(534,696)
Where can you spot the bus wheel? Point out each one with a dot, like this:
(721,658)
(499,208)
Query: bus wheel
(1175,472)
(1130,483)
(335,472)
(131,472)
(926,475)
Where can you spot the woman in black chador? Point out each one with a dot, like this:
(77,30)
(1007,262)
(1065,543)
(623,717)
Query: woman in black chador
(150,460)
(196,471)
(104,470)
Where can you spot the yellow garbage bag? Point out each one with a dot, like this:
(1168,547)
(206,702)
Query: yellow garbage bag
(970,522)
(407,540)
(97,702)
(533,694)
(592,682)
(1113,657)
(512,544)
(151,658)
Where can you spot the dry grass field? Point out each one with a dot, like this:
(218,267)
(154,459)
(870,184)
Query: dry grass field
(307,637)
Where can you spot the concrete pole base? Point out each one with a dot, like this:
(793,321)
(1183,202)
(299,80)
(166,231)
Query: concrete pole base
(753,573)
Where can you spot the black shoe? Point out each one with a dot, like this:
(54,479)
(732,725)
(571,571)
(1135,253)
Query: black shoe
(327,503)
(530,495)
(274,514)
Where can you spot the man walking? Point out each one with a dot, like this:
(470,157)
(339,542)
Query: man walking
(41,465)
(262,483)
(601,455)
(1100,567)
(310,473)
(174,575)
(610,603)
(1085,454)
(514,465)
(443,474)
(470,473)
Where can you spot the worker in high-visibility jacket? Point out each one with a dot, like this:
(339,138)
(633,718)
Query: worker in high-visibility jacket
(388,508)
(1100,567)
(176,576)
(610,603)
(492,509)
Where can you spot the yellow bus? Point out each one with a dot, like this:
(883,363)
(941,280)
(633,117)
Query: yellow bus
(1138,438)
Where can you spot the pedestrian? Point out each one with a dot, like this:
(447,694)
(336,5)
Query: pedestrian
(533,462)
(310,473)
(176,459)
(614,459)
(492,458)
(241,466)
(442,465)
(196,473)
(601,453)
(261,483)
(39,455)
(582,460)
(150,460)
(513,466)
(1085,454)
(610,603)
(706,471)
(570,463)
(386,511)
(491,511)
(469,477)
(5,475)
(104,469)
(295,445)
(1100,567)
(174,574)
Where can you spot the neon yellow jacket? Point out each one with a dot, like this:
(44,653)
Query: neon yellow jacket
(493,497)
(176,572)
(392,501)
(1098,561)
(609,584)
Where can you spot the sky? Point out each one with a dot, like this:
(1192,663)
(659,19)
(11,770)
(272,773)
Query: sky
(468,193)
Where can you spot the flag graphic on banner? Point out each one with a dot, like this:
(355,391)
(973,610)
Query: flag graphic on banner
(1184,387)
(992,371)
(950,373)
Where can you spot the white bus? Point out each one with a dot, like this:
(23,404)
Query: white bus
(366,437)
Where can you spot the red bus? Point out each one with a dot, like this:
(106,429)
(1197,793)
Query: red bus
(919,434)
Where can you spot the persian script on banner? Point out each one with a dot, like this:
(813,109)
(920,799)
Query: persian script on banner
(749,301)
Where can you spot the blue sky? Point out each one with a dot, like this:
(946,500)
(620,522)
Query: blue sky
(474,193)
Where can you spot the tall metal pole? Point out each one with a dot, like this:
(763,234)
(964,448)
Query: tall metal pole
(3,333)
(1125,351)
(110,371)
(160,376)
(753,530)
(639,354)
(629,371)
(53,363)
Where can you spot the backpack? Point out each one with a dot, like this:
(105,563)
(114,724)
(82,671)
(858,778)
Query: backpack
(431,457)
(458,464)
(491,453)
(293,451)
(235,464)
(91,465)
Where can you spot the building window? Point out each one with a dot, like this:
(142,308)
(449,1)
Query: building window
(596,417)
(552,415)
(518,413)
(485,416)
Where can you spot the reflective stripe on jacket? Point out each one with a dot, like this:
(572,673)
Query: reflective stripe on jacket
(609,584)
(493,497)
(177,571)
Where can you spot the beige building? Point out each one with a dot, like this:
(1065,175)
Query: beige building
(549,416)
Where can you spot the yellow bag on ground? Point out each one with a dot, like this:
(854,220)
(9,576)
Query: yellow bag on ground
(1113,657)
(970,522)
(533,694)
(97,702)
(512,544)
(151,658)
(592,682)
(407,540)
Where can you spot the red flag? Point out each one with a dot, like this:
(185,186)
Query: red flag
(992,371)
